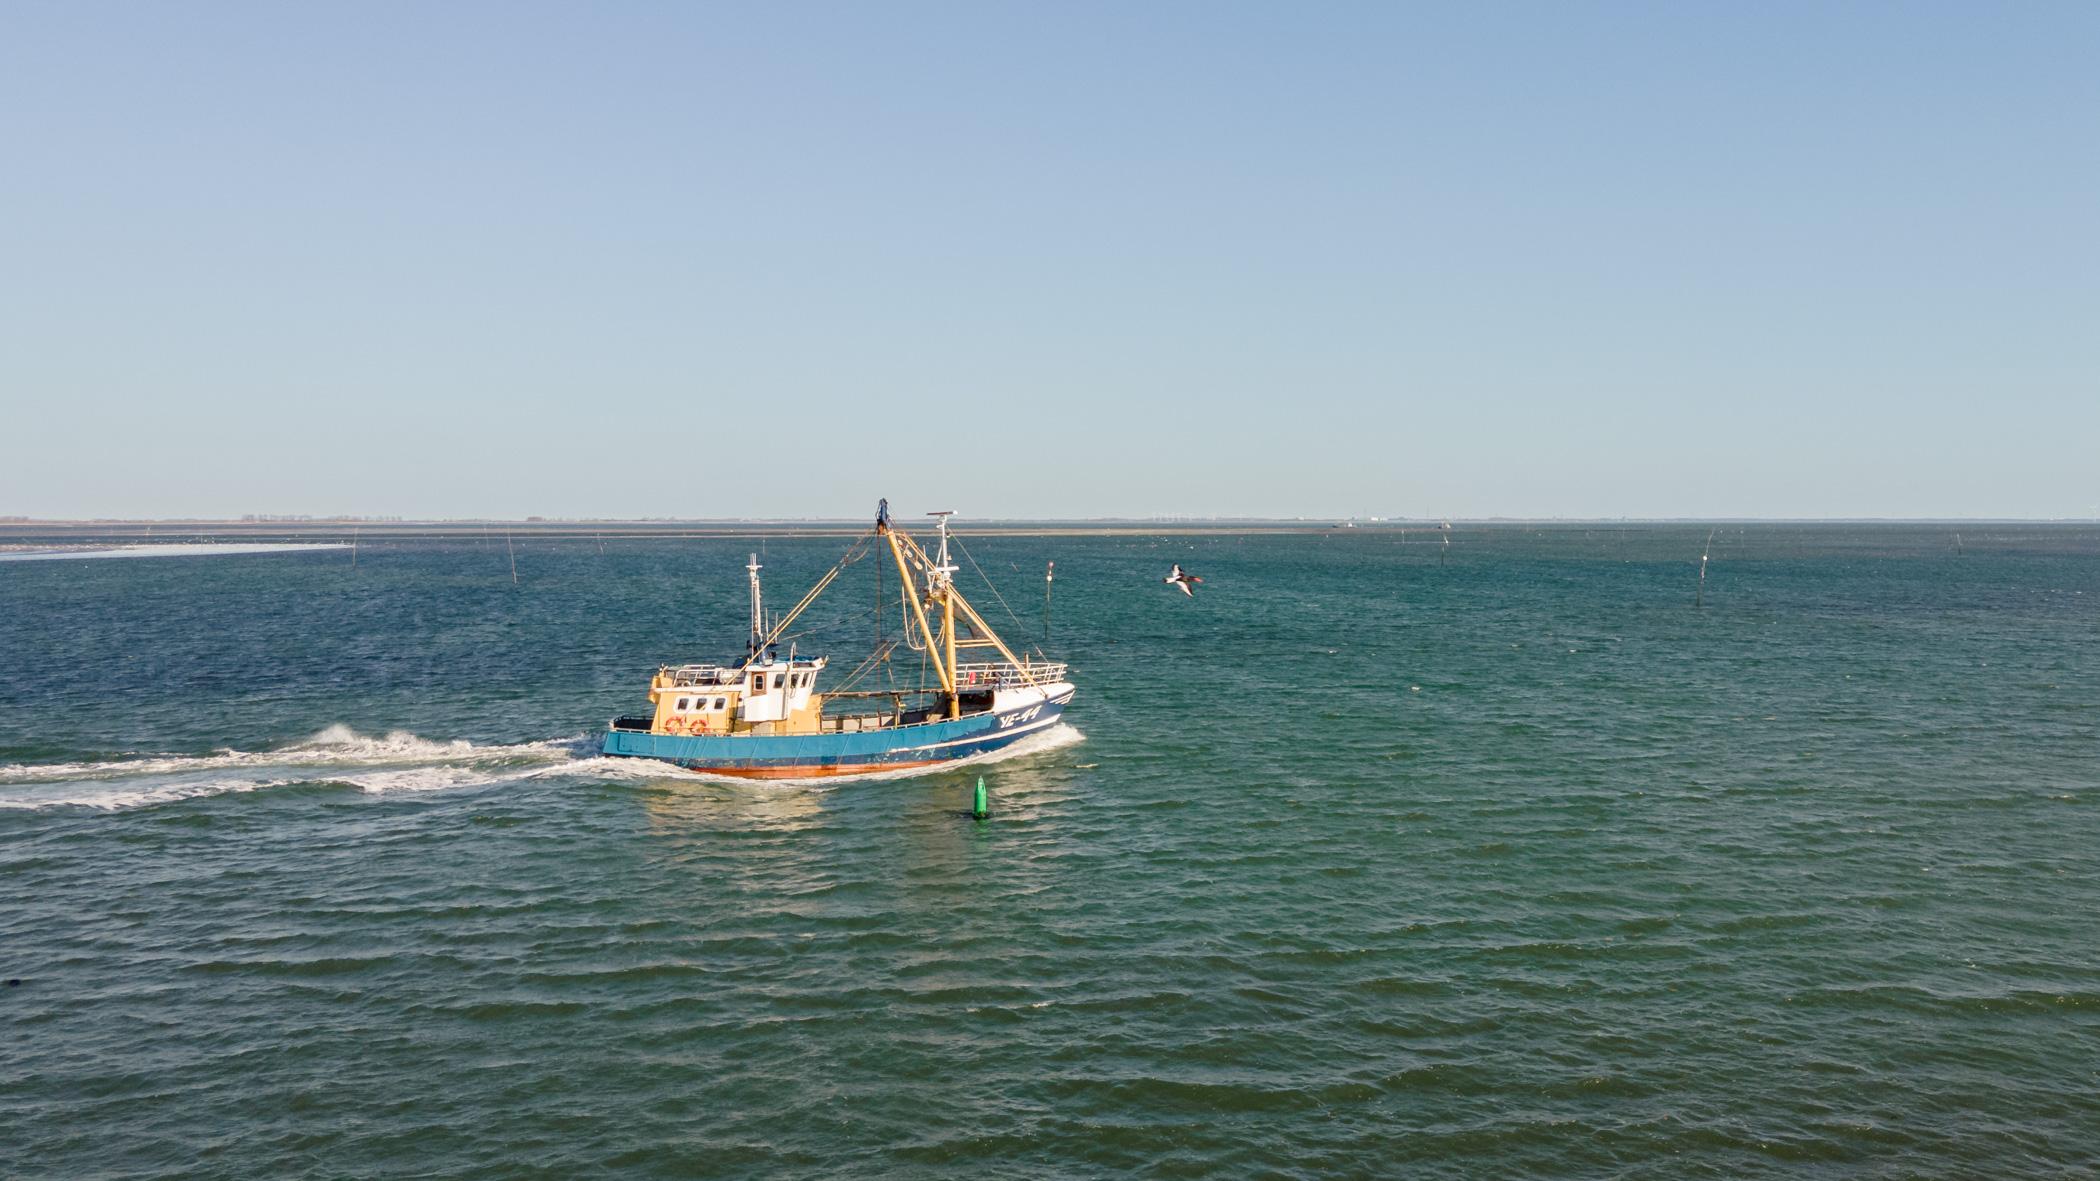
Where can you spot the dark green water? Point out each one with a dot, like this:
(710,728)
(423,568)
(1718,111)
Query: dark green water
(1367,865)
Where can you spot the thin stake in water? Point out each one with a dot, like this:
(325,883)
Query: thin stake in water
(513,559)
(1700,600)
(1049,574)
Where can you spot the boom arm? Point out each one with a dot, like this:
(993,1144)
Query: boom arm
(918,609)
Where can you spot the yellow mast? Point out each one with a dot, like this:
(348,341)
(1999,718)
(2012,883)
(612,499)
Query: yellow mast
(978,625)
(976,621)
(944,586)
(940,587)
(948,630)
(944,668)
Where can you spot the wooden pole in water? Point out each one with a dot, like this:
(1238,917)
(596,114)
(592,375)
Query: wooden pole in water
(353,547)
(1049,574)
(1700,600)
(513,559)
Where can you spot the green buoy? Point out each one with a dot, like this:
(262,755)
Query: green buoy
(981,810)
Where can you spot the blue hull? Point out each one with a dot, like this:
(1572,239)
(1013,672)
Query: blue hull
(798,756)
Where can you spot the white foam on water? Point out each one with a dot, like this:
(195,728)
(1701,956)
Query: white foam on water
(399,761)
(606,767)
(116,796)
(394,762)
(335,746)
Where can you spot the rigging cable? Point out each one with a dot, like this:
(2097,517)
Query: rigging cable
(1018,625)
(880,654)
(780,623)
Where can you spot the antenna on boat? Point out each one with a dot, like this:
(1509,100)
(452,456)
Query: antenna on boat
(945,569)
(758,614)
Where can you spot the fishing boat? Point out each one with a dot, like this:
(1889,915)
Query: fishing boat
(764,717)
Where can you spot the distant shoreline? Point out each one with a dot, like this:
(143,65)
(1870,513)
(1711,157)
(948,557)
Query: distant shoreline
(18,533)
(172,549)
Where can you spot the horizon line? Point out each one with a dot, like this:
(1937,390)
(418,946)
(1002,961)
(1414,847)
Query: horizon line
(266,519)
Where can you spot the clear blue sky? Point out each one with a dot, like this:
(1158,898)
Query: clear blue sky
(1054,259)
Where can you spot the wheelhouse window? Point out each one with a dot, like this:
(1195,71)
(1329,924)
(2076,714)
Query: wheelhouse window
(684,703)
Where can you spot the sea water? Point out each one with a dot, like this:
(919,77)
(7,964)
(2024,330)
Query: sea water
(1379,856)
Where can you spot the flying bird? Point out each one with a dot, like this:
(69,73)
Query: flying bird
(1177,578)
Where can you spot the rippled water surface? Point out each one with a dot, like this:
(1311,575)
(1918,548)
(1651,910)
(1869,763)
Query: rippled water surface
(1376,857)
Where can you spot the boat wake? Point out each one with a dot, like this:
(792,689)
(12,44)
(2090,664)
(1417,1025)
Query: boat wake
(399,761)
(395,762)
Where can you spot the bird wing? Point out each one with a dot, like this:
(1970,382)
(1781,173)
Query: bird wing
(1184,585)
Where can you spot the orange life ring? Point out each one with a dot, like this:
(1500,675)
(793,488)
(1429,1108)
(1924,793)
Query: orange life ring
(696,727)
(674,726)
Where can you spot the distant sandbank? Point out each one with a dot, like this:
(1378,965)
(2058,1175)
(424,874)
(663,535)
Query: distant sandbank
(172,549)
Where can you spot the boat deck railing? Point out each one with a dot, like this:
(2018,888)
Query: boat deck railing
(708,675)
(993,674)
(694,675)
(851,723)
(1000,674)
